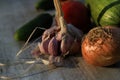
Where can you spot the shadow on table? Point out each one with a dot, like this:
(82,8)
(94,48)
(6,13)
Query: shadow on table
(116,65)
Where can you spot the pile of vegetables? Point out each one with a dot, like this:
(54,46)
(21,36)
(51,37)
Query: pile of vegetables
(72,33)
(80,18)
(101,45)
(60,40)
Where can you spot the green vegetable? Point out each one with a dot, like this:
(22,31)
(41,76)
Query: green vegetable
(105,12)
(44,5)
(43,20)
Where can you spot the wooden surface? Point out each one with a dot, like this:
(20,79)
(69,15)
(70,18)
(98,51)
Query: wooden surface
(13,14)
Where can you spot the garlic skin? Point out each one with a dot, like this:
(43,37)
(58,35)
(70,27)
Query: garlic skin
(50,32)
(69,34)
(75,31)
(66,42)
(71,42)
(53,47)
(43,46)
(77,34)
(46,38)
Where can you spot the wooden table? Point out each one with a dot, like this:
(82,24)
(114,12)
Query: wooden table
(13,14)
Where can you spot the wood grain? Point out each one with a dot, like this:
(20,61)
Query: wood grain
(13,14)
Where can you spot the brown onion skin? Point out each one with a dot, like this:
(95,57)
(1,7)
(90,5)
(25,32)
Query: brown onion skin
(102,51)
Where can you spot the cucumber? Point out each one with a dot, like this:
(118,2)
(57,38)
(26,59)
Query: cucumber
(43,20)
(105,12)
(45,5)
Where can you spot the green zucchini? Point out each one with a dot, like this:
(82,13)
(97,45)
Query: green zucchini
(105,12)
(44,5)
(43,20)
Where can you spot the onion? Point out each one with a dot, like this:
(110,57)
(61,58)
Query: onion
(101,46)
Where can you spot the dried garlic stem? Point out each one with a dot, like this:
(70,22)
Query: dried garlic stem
(58,8)
(59,15)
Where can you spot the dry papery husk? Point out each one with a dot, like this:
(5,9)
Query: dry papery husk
(101,46)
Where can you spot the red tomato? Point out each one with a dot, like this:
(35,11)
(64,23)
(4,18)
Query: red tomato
(76,13)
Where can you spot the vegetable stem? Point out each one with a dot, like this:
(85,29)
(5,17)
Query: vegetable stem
(59,15)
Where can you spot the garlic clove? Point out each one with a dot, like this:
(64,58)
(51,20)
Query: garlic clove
(77,34)
(43,46)
(66,42)
(58,36)
(53,47)
(50,32)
